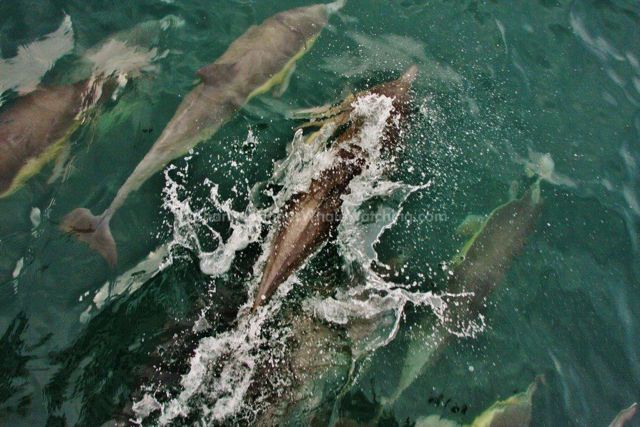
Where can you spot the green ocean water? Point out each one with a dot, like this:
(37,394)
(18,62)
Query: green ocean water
(498,82)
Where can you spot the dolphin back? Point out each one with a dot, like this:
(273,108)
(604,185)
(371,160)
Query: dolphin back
(490,252)
(33,129)
(265,50)
(484,261)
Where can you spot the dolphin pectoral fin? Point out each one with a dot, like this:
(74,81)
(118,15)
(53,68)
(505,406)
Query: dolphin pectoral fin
(93,230)
(282,87)
(322,112)
(311,113)
(214,74)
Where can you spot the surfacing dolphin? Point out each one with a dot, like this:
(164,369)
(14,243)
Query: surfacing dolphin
(309,217)
(264,56)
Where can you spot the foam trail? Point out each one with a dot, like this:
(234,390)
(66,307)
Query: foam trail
(237,354)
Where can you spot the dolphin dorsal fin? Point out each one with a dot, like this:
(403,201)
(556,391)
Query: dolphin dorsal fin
(215,73)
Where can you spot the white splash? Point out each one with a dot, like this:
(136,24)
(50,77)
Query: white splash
(246,229)
(223,366)
(237,354)
(188,223)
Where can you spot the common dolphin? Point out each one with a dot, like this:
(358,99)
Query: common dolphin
(624,416)
(35,127)
(514,411)
(317,360)
(308,217)
(477,270)
(264,56)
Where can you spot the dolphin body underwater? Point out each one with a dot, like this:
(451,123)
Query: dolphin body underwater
(35,127)
(318,362)
(309,217)
(320,355)
(478,269)
(263,57)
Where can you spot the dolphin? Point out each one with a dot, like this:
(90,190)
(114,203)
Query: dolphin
(264,56)
(315,368)
(624,416)
(35,127)
(316,362)
(514,411)
(477,270)
(308,218)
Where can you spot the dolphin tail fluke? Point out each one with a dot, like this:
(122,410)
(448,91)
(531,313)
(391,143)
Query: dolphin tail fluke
(93,230)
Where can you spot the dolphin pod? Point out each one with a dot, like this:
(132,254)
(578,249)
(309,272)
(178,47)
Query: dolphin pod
(264,56)
(478,269)
(309,217)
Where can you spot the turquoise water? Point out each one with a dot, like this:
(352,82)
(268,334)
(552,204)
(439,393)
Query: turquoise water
(499,81)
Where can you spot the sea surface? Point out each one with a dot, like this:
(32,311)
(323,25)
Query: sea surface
(508,92)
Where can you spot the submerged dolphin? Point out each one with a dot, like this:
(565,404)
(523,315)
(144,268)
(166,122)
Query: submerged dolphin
(514,411)
(35,127)
(479,269)
(264,56)
(309,217)
(317,361)
(624,416)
